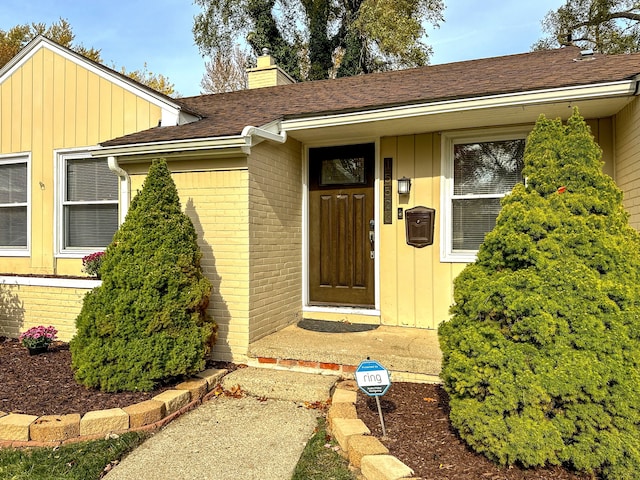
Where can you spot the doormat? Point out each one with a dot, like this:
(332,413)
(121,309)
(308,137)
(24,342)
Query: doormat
(326,326)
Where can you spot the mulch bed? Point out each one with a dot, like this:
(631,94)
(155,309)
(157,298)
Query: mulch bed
(44,385)
(419,434)
(415,415)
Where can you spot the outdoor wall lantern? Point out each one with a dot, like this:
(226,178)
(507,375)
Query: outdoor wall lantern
(404,186)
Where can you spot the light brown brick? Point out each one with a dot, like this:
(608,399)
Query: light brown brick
(145,413)
(54,428)
(197,388)
(104,421)
(212,376)
(341,410)
(384,467)
(344,396)
(174,400)
(343,428)
(15,426)
(362,445)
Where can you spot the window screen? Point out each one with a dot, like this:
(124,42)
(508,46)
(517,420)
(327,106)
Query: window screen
(90,207)
(13,205)
(483,173)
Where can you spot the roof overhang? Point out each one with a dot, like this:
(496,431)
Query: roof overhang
(214,147)
(593,101)
(232,146)
(520,108)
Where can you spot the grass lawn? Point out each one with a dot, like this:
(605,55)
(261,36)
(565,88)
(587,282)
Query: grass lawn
(81,461)
(319,462)
(87,460)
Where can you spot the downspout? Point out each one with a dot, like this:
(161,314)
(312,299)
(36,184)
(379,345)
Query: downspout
(124,187)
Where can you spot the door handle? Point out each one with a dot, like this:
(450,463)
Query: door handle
(372,238)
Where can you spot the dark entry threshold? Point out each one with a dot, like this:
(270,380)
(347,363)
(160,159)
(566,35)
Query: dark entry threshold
(326,326)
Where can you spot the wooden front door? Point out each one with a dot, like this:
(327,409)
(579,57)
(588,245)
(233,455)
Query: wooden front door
(341,226)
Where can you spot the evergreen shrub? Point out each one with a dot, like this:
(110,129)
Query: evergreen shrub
(147,322)
(541,358)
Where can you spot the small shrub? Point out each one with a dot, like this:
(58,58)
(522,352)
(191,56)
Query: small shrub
(147,322)
(541,358)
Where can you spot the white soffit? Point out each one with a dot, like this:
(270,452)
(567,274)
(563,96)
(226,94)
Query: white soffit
(596,101)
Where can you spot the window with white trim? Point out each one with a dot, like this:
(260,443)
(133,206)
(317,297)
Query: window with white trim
(88,210)
(14,205)
(478,172)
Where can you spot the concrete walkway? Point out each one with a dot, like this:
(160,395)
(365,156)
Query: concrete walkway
(259,436)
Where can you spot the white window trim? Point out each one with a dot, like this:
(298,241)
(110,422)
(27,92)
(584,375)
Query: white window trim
(26,250)
(449,139)
(61,156)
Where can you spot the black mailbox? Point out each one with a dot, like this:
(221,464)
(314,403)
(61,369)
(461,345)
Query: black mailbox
(419,224)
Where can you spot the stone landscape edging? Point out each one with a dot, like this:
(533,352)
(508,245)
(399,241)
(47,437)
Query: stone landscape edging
(366,453)
(16,429)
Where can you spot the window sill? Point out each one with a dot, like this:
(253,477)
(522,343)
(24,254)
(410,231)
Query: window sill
(459,257)
(59,281)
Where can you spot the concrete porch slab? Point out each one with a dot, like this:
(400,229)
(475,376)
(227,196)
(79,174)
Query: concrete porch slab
(411,354)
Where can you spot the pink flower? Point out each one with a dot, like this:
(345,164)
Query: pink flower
(39,336)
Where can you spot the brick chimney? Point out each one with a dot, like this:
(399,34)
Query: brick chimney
(267,73)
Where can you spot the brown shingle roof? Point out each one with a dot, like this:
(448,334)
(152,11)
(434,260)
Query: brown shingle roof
(227,114)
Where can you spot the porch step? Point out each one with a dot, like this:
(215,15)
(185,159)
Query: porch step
(410,354)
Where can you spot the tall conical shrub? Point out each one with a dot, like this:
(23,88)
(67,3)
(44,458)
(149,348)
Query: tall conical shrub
(541,358)
(147,322)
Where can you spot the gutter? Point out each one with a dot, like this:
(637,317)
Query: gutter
(216,146)
(582,92)
(124,186)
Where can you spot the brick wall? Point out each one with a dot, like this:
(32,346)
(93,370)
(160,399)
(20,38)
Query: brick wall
(275,232)
(26,306)
(216,202)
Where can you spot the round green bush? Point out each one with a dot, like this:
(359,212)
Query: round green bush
(147,322)
(541,358)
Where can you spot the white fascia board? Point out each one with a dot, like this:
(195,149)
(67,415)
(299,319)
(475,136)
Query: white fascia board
(226,145)
(568,94)
(234,144)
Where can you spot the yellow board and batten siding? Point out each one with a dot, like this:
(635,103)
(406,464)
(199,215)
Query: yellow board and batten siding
(627,160)
(415,288)
(50,103)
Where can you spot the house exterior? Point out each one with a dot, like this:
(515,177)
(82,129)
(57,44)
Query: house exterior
(57,203)
(293,188)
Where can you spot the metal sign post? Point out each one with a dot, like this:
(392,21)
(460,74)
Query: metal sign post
(373,379)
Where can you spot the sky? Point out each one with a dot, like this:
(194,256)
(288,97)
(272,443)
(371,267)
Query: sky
(159,32)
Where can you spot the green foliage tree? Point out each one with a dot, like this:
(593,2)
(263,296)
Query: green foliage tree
(541,357)
(313,39)
(17,37)
(147,322)
(14,39)
(605,26)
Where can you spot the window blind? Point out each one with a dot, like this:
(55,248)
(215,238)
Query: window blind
(13,205)
(90,210)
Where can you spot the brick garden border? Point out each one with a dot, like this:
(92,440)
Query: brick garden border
(365,453)
(19,430)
